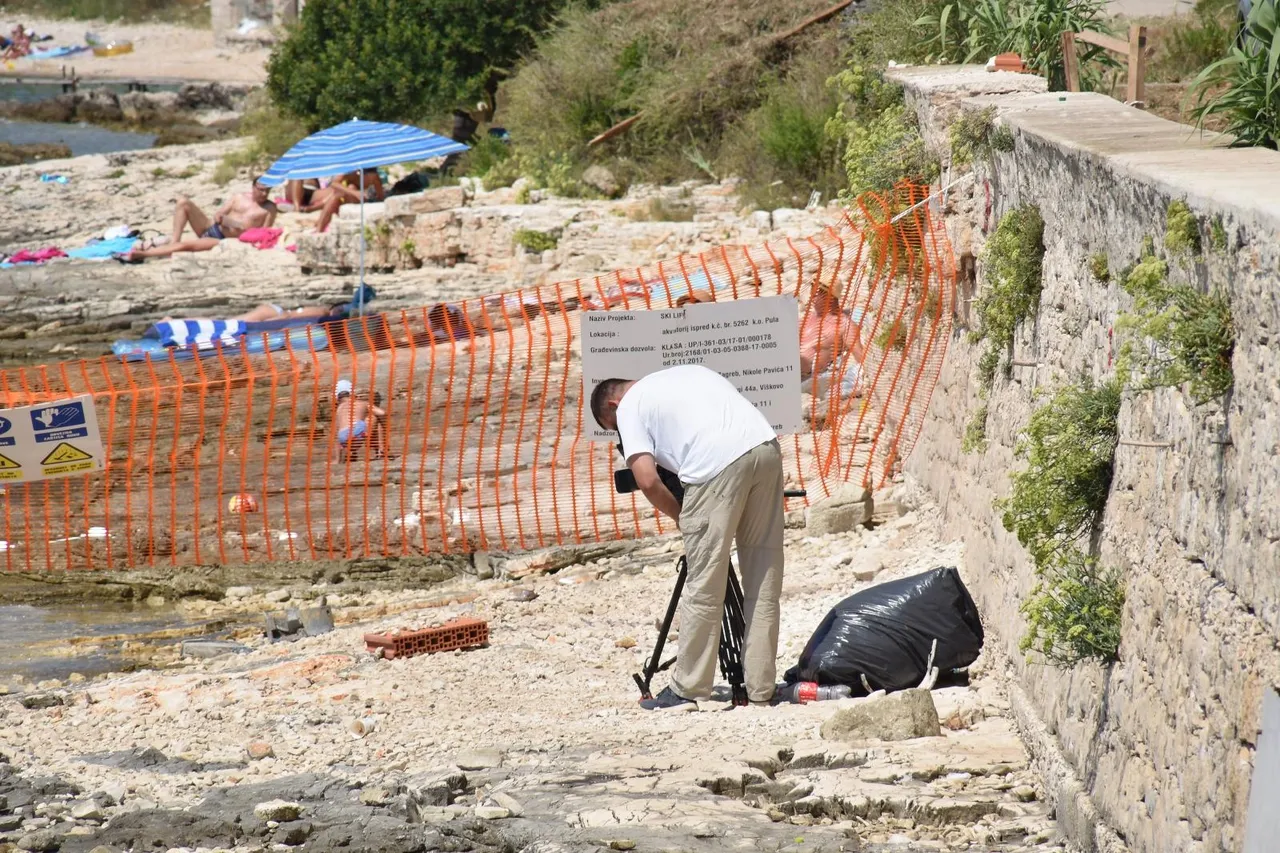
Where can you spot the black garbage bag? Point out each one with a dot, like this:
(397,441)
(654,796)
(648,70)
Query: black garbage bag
(885,634)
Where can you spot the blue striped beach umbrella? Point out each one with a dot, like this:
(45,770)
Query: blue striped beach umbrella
(357,145)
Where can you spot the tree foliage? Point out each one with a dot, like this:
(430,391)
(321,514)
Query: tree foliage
(399,60)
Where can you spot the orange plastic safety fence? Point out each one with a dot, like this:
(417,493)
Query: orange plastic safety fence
(234,457)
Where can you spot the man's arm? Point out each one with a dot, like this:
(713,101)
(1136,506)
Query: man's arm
(645,469)
(271,210)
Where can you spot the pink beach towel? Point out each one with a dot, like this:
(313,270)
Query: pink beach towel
(263,238)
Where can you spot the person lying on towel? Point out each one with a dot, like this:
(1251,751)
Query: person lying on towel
(241,212)
(360,423)
(270,311)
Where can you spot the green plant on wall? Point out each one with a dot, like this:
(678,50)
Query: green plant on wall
(1014,258)
(1218,235)
(1099,267)
(1068,444)
(975,135)
(1073,612)
(535,241)
(1175,335)
(975,432)
(1182,232)
(1056,502)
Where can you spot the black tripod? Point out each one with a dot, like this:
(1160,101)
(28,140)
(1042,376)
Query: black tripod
(732,629)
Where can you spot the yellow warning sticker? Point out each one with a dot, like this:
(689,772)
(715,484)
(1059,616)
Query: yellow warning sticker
(9,470)
(66,459)
(64,453)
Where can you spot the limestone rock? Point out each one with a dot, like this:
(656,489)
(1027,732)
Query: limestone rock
(277,596)
(86,810)
(491,813)
(508,802)
(40,841)
(41,700)
(599,178)
(235,593)
(375,796)
(843,511)
(897,716)
(484,758)
(277,810)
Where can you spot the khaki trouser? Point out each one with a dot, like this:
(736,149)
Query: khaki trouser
(742,502)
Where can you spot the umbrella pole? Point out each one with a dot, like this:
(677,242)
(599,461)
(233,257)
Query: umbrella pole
(360,287)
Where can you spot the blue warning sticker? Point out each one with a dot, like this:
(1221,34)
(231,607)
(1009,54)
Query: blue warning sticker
(59,422)
(7,438)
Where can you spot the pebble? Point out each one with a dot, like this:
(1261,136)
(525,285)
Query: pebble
(622,844)
(626,643)
(235,593)
(37,701)
(523,595)
(276,596)
(86,810)
(491,812)
(259,749)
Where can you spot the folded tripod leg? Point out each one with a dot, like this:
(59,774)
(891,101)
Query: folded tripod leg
(655,665)
(731,630)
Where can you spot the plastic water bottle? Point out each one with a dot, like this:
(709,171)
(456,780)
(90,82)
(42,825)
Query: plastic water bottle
(809,691)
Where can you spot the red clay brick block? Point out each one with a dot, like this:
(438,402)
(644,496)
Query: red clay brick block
(456,634)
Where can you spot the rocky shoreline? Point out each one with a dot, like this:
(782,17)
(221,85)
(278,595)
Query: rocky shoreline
(533,743)
(196,112)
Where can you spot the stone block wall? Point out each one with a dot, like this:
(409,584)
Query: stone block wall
(1163,740)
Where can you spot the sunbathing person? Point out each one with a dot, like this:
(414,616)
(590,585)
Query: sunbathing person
(360,424)
(269,311)
(19,43)
(241,212)
(301,194)
(346,190)
(829,338)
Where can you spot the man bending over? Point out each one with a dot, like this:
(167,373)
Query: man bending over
(241,212)
(359,423)
(691,420)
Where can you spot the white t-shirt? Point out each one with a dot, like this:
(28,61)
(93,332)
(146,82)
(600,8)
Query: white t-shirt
(692,420)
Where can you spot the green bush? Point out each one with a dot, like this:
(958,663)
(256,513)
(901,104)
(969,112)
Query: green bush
(399,60)
(1250,103)
(1069,445)
(882,139)
(972,30)
(486,153)
(781,149)
(536,241)
(1014,259)
(1193,335)
(1074,611)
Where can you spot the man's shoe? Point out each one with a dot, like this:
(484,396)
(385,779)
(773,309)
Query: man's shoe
(667,700)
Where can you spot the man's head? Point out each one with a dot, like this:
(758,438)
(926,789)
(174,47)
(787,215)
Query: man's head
(695,297)
(261,192)
(605,399)
(342,390)
(826,296)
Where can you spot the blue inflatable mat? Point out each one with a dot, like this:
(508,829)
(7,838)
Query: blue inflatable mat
(255,344)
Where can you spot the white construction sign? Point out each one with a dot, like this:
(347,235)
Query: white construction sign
(754,343)
(49,440)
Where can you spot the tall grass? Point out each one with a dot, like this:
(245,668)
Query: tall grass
(1251,71)
(189,12)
